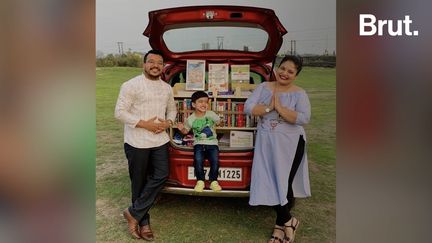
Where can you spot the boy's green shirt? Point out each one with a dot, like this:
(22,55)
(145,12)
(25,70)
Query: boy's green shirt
(203,128)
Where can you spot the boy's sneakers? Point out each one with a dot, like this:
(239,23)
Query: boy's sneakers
(199,187)
(214,185)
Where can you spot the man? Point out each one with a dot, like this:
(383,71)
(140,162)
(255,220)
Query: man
(146,107)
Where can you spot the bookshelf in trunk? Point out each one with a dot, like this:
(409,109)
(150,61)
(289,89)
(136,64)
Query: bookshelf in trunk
(237,132)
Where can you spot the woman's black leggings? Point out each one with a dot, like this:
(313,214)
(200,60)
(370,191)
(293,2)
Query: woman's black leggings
(284,212)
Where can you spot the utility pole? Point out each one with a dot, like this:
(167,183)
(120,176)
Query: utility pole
(120,47)
(326,49)
(293,47)
(291,42)
(220,40)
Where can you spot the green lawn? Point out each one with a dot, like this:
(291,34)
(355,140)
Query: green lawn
(208,219)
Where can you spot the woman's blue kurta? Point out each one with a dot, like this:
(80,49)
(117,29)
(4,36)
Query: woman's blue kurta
(275,147)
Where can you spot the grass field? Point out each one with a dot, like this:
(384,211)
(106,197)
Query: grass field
(208,219)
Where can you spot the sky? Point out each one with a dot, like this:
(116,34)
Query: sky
(311,23)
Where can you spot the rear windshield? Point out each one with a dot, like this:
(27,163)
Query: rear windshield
(216,38)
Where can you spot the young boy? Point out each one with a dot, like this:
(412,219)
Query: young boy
(202,122)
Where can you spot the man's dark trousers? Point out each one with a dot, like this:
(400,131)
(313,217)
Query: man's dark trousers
(148,172)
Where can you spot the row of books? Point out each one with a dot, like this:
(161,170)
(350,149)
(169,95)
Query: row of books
(229,120)
(232,113)
(186,104)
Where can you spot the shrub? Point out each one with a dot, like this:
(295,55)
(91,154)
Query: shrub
(129,59)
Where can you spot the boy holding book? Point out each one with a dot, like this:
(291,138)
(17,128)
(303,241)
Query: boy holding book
(203,122)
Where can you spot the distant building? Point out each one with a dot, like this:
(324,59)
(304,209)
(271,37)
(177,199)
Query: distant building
(325,52)
(205,46)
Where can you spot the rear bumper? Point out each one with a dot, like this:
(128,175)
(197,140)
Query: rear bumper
(181,159)
(206,192)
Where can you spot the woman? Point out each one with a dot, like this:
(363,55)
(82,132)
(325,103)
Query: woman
(280,168)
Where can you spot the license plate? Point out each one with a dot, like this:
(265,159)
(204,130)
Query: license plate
(225,173)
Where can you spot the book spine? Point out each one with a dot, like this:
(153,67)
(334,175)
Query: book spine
(229,115)
(234,115)
(241,116)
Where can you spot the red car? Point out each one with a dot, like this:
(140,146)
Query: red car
(217,34)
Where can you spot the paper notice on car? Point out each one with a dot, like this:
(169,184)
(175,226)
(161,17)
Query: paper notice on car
(218,77)
(240,73)
(241,139)
(195,74)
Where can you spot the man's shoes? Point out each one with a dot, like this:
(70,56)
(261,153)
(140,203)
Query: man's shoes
(132,224)
(199,187)
(146,233)
(214,185)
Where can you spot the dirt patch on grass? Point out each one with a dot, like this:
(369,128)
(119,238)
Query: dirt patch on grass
(110,167)
(313,167)
(108,218)
(106,211)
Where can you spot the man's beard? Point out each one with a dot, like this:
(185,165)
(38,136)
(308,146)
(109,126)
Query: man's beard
(151,76)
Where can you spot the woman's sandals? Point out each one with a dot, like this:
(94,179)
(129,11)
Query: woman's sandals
(275,238)
(290,228)
(286,233)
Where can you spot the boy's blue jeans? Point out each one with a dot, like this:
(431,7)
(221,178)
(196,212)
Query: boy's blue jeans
(211,152)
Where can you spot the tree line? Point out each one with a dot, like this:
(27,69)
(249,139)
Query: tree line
(135,59)
(128,59)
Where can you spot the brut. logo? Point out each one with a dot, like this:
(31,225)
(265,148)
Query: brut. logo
(370,26)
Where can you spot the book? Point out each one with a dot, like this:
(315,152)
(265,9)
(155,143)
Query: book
(241,139)
(218,77)
(241,116)
(240,73)
(229,116)
(235,115)
(195,74)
